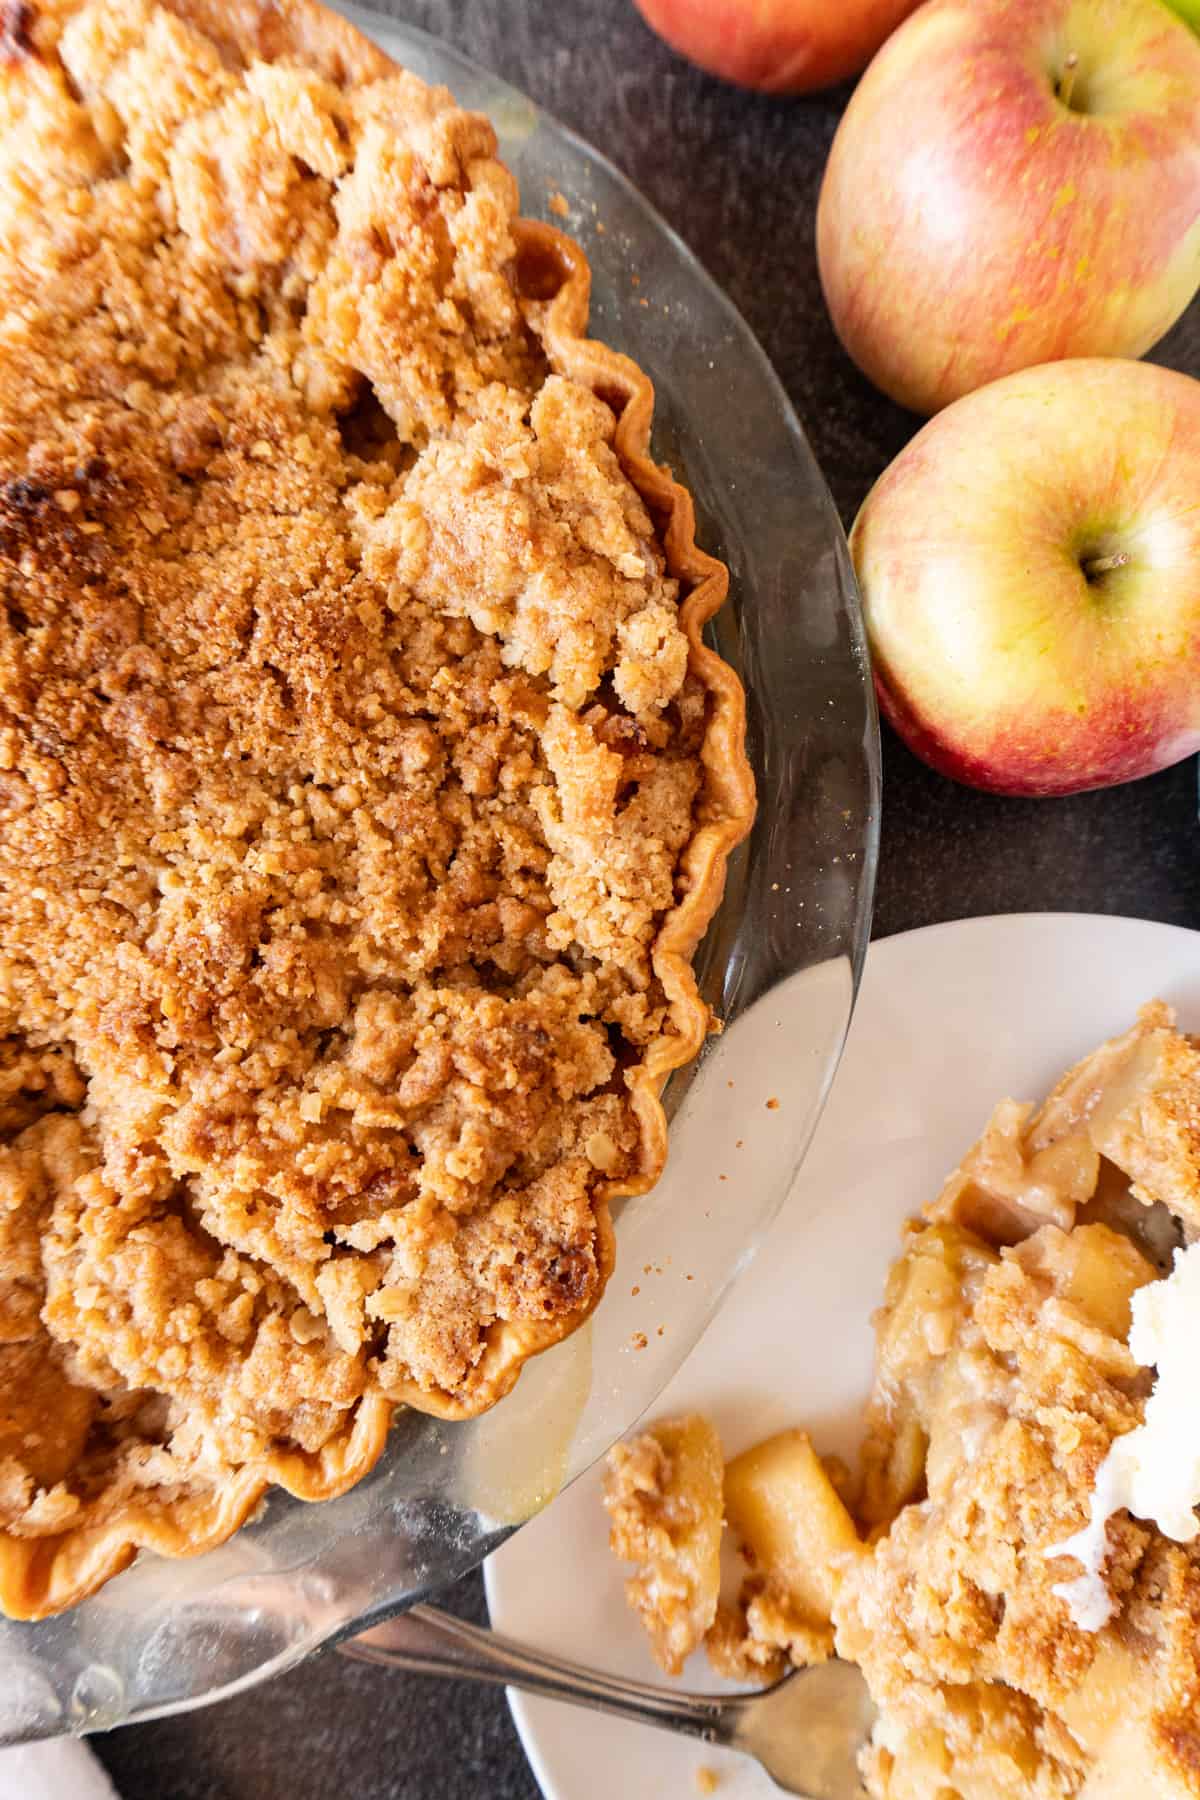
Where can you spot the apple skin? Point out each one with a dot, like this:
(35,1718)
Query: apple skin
(1187,9)
(777,46)
(970,223)
(996,659)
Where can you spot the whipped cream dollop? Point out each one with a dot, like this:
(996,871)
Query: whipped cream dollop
(1153,1471)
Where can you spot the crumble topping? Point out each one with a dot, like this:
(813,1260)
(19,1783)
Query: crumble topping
(348,749)
(662,1492)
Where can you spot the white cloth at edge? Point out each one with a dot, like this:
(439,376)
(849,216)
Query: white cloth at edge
(59,1769)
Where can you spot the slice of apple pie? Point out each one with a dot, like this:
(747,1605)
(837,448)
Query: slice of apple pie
(1022,1590)
(365,785)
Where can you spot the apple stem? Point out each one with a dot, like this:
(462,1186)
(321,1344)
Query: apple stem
(1066,82)
(1103,565)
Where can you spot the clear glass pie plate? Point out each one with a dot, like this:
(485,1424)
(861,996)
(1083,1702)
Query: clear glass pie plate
(780,966)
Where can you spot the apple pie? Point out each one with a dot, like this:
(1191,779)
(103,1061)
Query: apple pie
(365,783)
(1005,1376)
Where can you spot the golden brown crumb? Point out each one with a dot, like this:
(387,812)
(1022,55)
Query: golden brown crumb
(772,1105)
(707,1780)
(737,1655)
(558,205)
(757,1638)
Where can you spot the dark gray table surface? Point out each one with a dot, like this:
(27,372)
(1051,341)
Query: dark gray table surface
(737,176)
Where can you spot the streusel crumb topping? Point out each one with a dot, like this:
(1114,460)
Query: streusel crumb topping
(348,749)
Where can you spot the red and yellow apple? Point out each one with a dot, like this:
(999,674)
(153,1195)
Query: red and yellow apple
(1013,181)
(780,46)
(1030,575)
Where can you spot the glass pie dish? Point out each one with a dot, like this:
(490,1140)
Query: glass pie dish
(779,965)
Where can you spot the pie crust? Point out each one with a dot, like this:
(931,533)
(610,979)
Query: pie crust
(205,1287)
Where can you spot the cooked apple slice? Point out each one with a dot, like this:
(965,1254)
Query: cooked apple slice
(785,1511)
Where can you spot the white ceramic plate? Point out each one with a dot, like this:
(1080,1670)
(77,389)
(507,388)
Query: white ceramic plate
(949,1020)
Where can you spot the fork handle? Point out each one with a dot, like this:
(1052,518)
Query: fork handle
(426,1641)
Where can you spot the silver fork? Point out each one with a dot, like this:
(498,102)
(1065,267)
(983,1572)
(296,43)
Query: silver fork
(806,1731)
